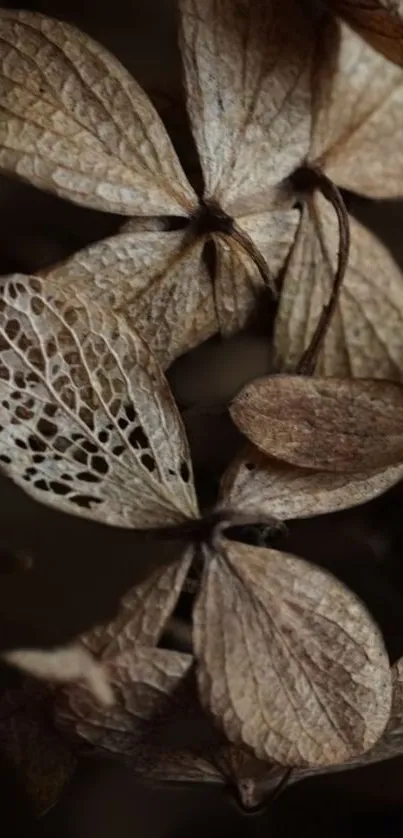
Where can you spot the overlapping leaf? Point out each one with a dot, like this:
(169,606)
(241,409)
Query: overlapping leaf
(380,22)
(357,109)
(75,123)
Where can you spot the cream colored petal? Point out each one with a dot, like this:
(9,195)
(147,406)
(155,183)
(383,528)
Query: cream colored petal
(75,123)
(365,338)
(159,281)
(257,484)
(357,115)
(239,284)
(380,22)
(88,423)
(247,73)
(290,662)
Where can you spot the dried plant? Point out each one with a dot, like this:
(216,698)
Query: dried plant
(282,670)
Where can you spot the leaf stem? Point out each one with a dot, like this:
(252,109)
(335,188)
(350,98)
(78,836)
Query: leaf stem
(309,179)
(244,240)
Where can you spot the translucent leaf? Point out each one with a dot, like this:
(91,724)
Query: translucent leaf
(87,420)
(330,424)
(247,75)
(380,22)
(75,123)
(357,114)
(290,662)
(365,338)
(258,484)
(159,281)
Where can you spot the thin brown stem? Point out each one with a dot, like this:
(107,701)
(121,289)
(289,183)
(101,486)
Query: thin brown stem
(245,241)
(309,179)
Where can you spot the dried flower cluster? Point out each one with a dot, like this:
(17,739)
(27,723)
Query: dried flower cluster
(282,668)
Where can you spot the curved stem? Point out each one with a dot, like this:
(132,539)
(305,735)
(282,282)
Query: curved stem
(312,178)
(245,241)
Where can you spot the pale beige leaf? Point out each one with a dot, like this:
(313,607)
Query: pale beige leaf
(330,424)
(357,115)
(239,285)
(159,281)
(88,423)
(258,484)
(247,74)
(144,681)
(290,662)
(63,665)
(75,123)
(365,338)
(41,758)
(380,22)
(143,612)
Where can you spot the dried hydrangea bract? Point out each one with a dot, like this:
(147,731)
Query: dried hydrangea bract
(76,124)
(380,22)
(78,389)
(356,112)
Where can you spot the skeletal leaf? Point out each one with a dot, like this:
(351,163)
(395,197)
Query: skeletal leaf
(159,281)
(87,420)
(64,665)
(247,76)
(258,484)
(329,424)
(143,612)
(290,662)
(365,338)
(76,123)
(357,114)
(380,22)
(43,761)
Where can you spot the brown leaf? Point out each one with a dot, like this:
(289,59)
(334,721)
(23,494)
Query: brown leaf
(257,484)
(88,421)
(365,338)
(143,612)
(64,665)
(329,424)
(290,662)
(380,22)
(357,114)
(42,759)
(247,76)
(76,123)
(157,280)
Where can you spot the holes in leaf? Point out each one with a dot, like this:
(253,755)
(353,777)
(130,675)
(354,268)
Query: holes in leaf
(23,342)
(86,415)
(99,464)
(36,444)
(148,461)
(30,472)
(38,458)
(5,459)
(138,439)
(118,450)
(12,329)
(21,444)
(88,477)
(41,484)
(23,413)
(130,412)
(103,436)
(59,488)
(51,347)
(184,471)
(50,410)
(85,501)
(80,456)
(90,447)
(123,423)
(37,305)
(4,373)
(67,477)
(19,380)
(71,316)
(250,466)
(61,443)
(46,428)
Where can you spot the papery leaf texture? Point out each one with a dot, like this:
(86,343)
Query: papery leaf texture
(380,22)
(88,423)
(290,663)
(258,484)
(356,114)
(329,424)
(365,337)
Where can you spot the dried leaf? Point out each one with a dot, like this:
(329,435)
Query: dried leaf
(88,423)
(380,22)
(159,281)
(64,665)
(365,338)
(247,76)
(43,760)
(258,485)
(143,612)
(357,115)
(329,424)
(76,123)
(290,662)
